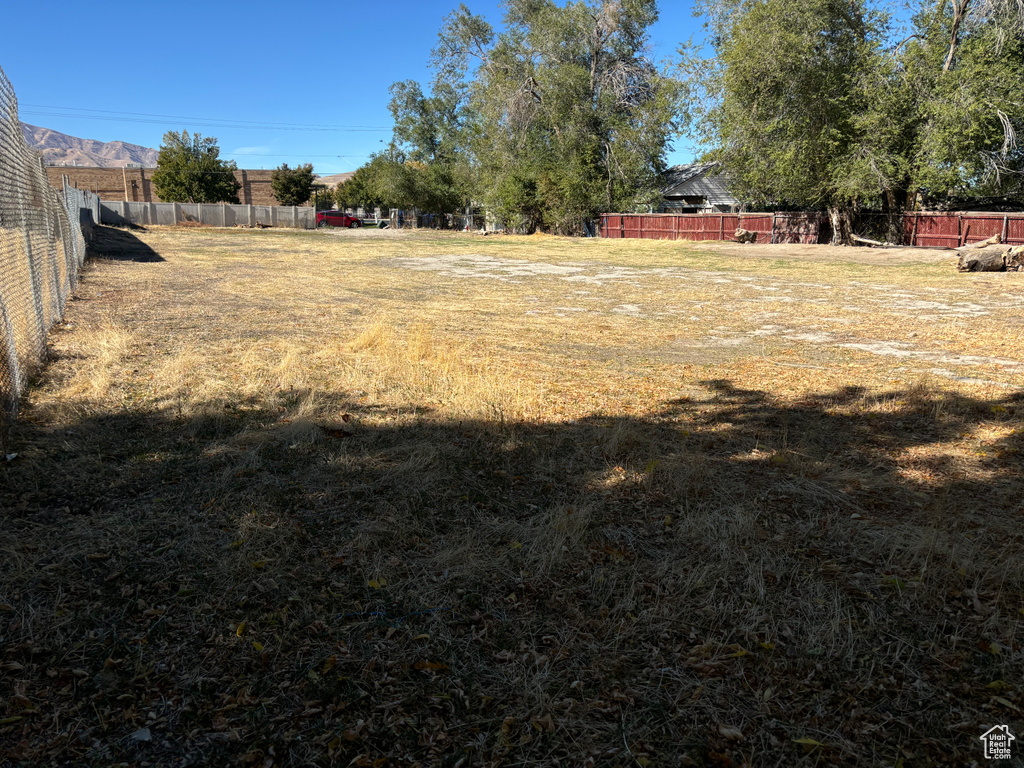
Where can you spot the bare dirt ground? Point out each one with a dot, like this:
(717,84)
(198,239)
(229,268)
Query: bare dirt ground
(833,253)
(382,498)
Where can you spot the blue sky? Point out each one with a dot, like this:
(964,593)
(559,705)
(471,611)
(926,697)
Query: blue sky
(274,82)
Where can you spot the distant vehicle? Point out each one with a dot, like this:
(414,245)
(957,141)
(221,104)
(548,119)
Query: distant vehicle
(337,219)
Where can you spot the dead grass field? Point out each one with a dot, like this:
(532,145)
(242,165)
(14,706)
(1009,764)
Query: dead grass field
(392,499)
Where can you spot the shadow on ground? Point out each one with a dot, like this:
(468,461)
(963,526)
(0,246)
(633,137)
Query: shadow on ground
(729,581)
(120,244)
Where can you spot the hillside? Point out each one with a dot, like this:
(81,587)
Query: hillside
(59,148)
(335,179)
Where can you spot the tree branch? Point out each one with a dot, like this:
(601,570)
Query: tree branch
(960,8)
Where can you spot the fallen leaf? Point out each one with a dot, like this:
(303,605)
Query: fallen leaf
(240,630)
(730,732)
(22,701)
(808,742)
(430,665)
(544,723)
(1005,703)
(142,734)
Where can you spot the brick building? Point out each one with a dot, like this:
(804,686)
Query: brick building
(135,185)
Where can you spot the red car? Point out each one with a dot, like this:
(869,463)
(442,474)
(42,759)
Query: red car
(336,219)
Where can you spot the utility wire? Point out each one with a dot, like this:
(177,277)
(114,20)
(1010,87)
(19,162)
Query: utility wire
(255,154)
(143,117)
(202,124)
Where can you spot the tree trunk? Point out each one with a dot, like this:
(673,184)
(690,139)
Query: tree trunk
(842,226)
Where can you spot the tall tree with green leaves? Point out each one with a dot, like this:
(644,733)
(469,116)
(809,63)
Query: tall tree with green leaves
(560,116)
(431,135)
(965,62)
(293,186)
(189,170)
(827,103)
(789,102)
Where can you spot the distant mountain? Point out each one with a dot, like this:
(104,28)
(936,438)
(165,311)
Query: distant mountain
(334,180)
(61,149)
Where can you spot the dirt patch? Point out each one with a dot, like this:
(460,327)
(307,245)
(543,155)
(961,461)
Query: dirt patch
(832,253)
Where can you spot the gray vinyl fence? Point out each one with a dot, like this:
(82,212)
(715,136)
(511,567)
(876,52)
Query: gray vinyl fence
(212,214)
(84,208)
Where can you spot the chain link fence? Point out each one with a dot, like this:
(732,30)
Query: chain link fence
(42,248)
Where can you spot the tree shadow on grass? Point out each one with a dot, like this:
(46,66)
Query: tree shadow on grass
(729,573)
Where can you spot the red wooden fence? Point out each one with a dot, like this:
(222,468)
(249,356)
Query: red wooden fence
(949,230)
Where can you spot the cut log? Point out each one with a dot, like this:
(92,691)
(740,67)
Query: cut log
(745,236)
(981,260)
(994,240)
(1015,259)
(866,241)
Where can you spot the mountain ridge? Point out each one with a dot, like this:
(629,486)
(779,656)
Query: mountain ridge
(61,149)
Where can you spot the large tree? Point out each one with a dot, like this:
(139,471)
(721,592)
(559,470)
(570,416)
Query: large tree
(966,65)
(555,119)
(828,103)
(293,186)
(189,170)
(431,143)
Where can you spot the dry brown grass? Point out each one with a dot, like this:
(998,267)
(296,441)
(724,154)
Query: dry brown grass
(376,498)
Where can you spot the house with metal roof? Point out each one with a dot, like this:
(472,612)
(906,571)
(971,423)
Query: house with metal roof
(696,188)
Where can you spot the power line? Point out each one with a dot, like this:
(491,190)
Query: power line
(254,154)
(201,124)
(213,119)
